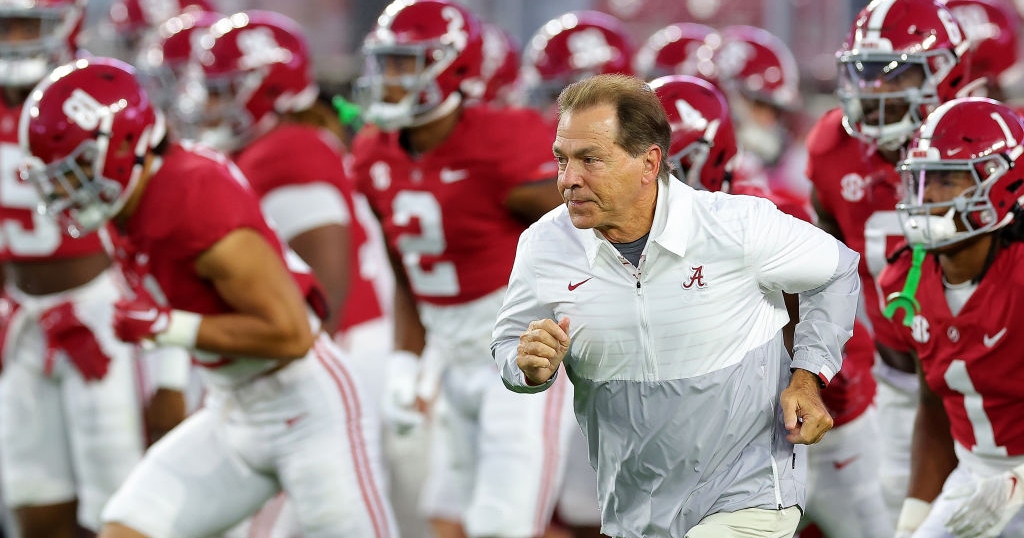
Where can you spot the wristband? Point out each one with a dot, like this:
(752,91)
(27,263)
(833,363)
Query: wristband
(171,367)
(182,330)
(912,514)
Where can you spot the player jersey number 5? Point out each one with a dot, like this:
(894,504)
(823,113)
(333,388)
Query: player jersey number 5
(441,280)
(43,236)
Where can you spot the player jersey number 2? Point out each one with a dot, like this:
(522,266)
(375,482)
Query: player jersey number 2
(959,380)
(43,236)
(440,280)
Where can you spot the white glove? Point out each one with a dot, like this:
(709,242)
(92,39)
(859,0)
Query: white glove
(912,514)
(986,506)
(399,406)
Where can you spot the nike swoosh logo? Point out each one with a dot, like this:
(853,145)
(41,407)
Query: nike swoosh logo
(451,176)
(843,463)
(578,284)
(291,421)
(990,341)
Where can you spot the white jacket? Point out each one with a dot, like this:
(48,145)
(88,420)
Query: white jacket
(678,364)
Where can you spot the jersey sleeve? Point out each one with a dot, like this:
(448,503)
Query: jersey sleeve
(203,221)
(525,149)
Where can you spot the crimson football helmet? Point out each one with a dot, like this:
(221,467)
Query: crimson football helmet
(572,47)
(703,140)
(422,58)
(23,63)
(87,129)
(245,70)
(131,20)
(500,68)
(892,45)
(973,135)
(684,48)
(166,52)
(992,27)
(758,65)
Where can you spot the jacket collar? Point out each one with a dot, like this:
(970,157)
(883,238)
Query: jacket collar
(672,211)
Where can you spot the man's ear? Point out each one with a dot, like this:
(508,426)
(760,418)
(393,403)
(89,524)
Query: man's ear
(652,163)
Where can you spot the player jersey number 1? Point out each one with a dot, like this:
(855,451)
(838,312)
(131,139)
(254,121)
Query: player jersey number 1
(43,237)
(959,380)
(440,280)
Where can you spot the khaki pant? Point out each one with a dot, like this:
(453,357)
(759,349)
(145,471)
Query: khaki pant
(749,523)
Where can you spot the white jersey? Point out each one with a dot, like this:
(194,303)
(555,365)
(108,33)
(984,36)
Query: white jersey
(694,328)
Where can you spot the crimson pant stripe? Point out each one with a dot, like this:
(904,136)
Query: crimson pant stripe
(364,471)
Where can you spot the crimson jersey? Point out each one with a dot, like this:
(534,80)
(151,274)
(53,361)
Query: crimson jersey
(294,154)
(26,235)
(193,201)
(860,189)
(970,360)
(444,212)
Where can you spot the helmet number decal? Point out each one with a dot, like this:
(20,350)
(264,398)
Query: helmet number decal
(84,110)
(589,49)
(455,34)
(259,48)
(1010,140)
(691,116)
(952,28)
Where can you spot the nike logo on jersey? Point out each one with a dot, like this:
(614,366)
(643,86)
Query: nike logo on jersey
(578,284)
(451,176)
(990,341)
(291,421)
(843,463)
(145,315)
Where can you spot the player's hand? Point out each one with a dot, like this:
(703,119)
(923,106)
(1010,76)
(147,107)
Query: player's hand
(400,407)
(542,348)
(139,319)
(986,506)
(806,417)
(166,409)
(912,515)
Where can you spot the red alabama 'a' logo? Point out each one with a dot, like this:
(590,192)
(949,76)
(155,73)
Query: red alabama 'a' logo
(697,277)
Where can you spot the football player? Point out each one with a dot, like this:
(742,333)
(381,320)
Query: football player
(454,186)
(957,306)
(283,411)
(70,393)
(901,59)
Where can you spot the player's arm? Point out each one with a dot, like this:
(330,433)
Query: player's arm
(325,249)
(530,201)
(271,318)
(826,220)
(410,335)
(931,447)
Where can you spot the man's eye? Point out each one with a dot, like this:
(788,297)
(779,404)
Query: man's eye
(562,161)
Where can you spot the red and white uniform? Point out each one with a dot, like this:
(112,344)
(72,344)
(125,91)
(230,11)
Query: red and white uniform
(970,359)
(860,190)
(444,213)
(301,429)
(56,383)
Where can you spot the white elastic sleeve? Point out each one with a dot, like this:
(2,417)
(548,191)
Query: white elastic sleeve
(796,257)
(295,209)
(171,367)
(517,311)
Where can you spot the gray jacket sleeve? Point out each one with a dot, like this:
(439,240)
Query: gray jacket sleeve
(826,321)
